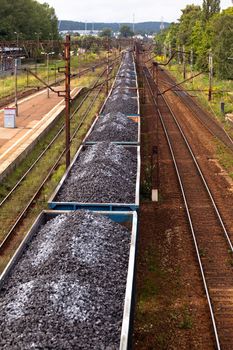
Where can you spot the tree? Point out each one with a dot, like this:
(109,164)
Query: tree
(90,43)
(222,43)
(201,43)
(210,7)
(105,33)
(126,31)
(189,16)
(27,17)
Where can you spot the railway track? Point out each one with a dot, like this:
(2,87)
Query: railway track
(86,95)
(206,119)
(25,93)
(18,221)
(210,234)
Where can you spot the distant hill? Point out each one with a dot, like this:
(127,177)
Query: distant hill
(144,27)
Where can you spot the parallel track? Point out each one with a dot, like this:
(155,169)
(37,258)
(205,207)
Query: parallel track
(30,204)
(210,234)
(24,93)
(204,117)
(88,92)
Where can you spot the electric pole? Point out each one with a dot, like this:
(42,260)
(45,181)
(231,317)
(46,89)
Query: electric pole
(179,61)
(170,50)
(67,98)
(85,27)
(191,62)
(48,74)
(107,69)
(165,51)
(210,75)
(133,24)
(16,87)
(184,63)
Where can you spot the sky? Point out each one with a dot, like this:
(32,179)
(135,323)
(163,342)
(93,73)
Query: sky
(122,10)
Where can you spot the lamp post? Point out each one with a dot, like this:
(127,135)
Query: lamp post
(38,39)
(51,36)
(17,38)
(16,87)
(38,46)
(48,74)
(47,54)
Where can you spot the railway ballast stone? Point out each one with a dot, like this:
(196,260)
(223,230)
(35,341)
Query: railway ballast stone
(104,173)
(67,290)
(114,127)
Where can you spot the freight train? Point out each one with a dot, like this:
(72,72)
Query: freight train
(70,285)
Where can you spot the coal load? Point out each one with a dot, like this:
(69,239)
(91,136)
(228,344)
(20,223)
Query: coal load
(104,173)
(121,103)
(131,92)
(67,291)
(114,127)
(125,82)
(127,73)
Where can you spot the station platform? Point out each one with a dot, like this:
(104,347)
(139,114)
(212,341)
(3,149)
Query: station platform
(36,114)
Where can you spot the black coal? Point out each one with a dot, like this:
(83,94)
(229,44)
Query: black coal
(67,290)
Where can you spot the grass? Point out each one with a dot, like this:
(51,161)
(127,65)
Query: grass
(222,92)
(223,154)
(25,164)
(150,288)
(146,185)
(26,81)
(11,209)
(202,252)
(186,322)
(225,158)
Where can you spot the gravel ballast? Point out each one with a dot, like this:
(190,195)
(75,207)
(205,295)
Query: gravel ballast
(104,173)
(114,127)
(67,291)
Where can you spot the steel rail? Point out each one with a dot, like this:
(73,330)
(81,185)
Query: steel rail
(184,100)
(88,92)
(35,195)
(187,206)
(202,176)
(9,98)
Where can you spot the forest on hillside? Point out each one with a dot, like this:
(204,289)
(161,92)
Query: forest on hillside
(204,30)
(28,19)
(142,28)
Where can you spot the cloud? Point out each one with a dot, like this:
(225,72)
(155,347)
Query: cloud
(122,10)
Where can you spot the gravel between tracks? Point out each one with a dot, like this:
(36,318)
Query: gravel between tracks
(104,173)
(67,291)
(114,127)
